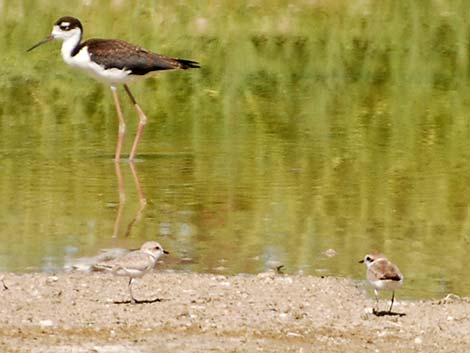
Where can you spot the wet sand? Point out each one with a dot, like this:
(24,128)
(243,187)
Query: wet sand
(181,312)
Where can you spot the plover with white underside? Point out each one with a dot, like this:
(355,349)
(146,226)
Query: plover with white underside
(382,275)
(134,264)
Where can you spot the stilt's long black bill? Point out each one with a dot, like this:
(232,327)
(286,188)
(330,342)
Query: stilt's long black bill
(48,39)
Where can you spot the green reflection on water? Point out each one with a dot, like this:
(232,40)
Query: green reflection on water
(309,127)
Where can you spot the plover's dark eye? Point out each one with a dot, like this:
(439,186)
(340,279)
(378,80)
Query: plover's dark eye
(157,248)
(368,258)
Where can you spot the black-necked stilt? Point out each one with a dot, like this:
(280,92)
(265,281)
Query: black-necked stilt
(113,62)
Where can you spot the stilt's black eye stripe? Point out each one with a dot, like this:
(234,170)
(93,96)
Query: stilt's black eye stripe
(64,27)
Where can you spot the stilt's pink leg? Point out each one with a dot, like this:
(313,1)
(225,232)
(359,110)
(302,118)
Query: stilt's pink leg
(142,123)
(122,125)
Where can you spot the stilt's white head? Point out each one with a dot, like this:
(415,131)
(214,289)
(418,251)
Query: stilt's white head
(67,27)
(64,29)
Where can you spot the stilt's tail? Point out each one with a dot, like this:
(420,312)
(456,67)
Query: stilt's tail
(188,64)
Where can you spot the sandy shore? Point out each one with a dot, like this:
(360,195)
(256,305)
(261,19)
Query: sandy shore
(77,312)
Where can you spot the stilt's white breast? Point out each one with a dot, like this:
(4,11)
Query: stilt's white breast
(84,61)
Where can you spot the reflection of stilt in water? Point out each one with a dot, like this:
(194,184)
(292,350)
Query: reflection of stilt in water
(122,199)
(142,199)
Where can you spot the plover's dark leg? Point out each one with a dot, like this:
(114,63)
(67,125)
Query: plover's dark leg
(391,305)
(142,123)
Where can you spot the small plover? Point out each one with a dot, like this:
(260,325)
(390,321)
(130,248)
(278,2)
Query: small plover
(134,264)
(382,275)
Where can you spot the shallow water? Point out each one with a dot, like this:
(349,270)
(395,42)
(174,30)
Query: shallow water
(268,155)
(244,207)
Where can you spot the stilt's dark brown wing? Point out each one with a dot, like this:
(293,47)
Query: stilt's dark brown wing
(113,53)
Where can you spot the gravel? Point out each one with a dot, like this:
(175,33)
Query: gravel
(188,312)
